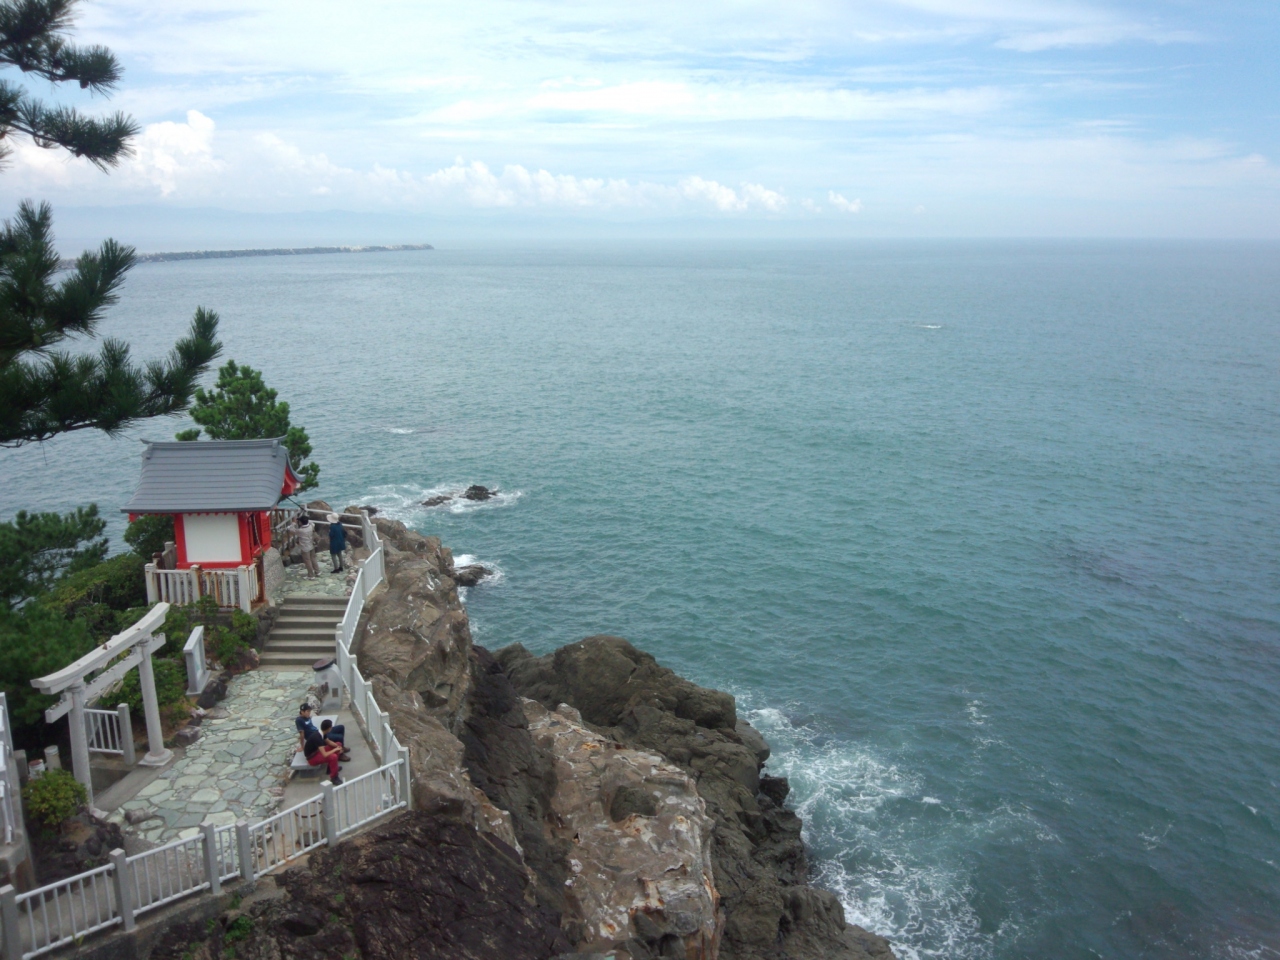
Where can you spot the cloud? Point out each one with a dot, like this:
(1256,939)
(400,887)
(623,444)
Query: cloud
(842,204)
(728,200)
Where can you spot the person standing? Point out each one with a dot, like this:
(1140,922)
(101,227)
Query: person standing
(306,533)
(337,541)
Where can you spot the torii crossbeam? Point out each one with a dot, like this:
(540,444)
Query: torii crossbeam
(131,648)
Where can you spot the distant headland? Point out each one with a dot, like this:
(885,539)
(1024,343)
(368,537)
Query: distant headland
(274,252)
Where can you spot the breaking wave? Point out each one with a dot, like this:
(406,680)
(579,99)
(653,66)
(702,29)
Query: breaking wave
(878,841)
(403,502)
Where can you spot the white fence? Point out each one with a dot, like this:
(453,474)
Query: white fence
(376,720)
(197,664)
(231,587)
(110,731)
(9,824)
(39,921)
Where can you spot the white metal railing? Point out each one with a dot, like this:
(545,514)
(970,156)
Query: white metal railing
(376,720)
(110,731)
(36,922)
(8,820)
(57,914)
(7,788)
(167,873)
(197,663)
(367,797)
(289,834)
(231,587)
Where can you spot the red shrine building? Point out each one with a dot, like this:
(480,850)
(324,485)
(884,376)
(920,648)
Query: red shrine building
(220,494)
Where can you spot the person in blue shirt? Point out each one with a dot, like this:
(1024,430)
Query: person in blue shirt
(333,735)
(337,541)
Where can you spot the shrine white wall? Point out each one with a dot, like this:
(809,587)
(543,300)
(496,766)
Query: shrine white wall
(212,537)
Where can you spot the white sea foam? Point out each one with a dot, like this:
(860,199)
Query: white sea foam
(495,575)
(403,501)
(399,430)
(893,875)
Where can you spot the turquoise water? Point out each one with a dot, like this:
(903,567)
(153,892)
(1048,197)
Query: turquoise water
(983,536)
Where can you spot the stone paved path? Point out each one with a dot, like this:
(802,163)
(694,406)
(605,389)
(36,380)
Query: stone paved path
(329,584)
(238,767)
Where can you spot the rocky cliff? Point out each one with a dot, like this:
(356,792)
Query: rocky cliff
(588,803)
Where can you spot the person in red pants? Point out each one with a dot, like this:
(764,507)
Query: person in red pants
(319,753)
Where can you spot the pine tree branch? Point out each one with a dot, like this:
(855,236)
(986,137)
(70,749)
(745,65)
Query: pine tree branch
(60,393)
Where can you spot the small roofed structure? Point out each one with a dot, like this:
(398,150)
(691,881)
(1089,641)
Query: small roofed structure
(220,494)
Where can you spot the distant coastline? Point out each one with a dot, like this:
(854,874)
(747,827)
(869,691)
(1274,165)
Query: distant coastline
(264,252)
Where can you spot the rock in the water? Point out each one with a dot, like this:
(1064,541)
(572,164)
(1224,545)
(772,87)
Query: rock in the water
(438,500)
(470,575)
(477,492)
(419,887)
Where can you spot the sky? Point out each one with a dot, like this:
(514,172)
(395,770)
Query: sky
(398,120)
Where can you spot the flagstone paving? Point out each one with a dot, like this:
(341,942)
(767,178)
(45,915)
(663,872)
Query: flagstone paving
(237,769)
(328,584)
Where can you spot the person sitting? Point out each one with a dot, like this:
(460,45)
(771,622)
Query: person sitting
(320,753)
(335,735)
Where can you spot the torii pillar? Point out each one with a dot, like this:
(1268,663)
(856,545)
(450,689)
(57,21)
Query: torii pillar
(131,648)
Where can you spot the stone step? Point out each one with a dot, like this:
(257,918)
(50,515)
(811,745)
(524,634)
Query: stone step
(295,600)
(294,660)
(318,620)
(293,645)
(304,631)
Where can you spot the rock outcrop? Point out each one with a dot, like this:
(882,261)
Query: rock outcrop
(759,860)
(639,842)
(420,887)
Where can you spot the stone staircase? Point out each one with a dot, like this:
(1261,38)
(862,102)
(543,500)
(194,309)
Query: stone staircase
(303,633)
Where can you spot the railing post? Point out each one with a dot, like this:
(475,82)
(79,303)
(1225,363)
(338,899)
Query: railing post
(244,850)
(246,598)
(9,917)
(126,734)
(120,877)
(212,862)
(197,582)
(329,813)
(404,778)
(153,589)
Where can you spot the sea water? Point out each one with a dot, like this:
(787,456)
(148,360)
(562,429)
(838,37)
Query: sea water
(983,536)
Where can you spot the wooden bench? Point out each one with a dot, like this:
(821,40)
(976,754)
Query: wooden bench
(299,767)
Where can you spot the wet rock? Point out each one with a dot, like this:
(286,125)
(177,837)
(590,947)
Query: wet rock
(477,492)
(470,575)
(437,501)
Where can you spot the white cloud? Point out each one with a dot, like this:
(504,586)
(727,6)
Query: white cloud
(842,204)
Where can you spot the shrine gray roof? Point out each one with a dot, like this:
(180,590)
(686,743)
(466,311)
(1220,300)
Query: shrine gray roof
(210,475)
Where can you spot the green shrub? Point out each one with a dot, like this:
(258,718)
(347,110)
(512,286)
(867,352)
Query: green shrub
(149,533)
(171,686)
(53,797)
(117,583)
(35,641)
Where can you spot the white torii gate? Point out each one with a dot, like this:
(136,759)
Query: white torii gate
(137,644)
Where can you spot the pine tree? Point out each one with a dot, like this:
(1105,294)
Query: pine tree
(45,391)
(242,407)
(33,39)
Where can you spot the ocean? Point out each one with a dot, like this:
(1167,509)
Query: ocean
(982,535)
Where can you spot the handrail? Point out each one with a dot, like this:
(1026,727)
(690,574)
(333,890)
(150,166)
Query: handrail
(41,920)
